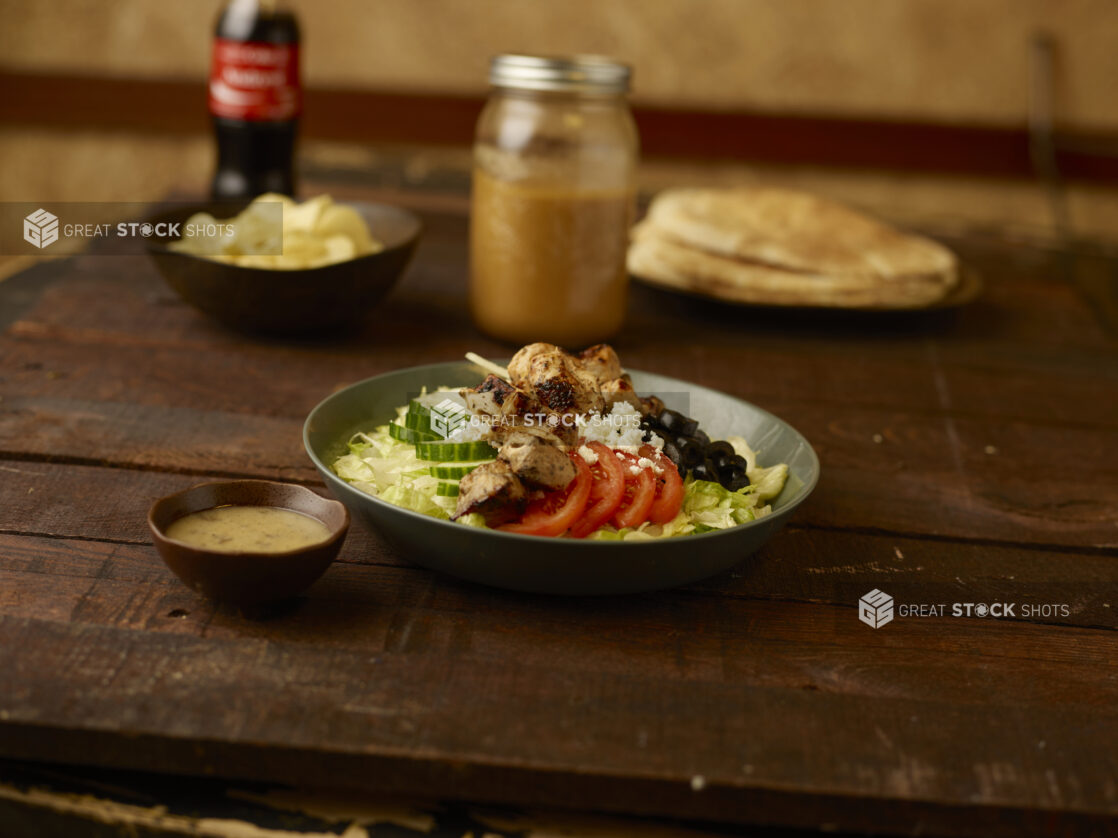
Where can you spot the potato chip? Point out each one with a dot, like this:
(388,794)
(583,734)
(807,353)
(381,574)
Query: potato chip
(312,234)
(337,219)
(304,216)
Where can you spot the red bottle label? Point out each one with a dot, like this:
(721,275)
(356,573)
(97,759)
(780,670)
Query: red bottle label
(255,81)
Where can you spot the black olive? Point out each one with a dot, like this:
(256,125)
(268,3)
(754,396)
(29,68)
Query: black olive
(739,481)
(688,427)
(672,421)
(705,471)
(723,462)
(729,471)
(701,435)
(672,453)
(716,449)
(691,450)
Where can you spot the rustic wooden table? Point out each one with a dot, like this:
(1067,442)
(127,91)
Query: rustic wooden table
(968,457)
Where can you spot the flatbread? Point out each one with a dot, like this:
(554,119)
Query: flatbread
(796,231)
(667,262)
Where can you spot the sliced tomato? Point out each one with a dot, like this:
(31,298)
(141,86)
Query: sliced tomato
(607,494)
(555,512)
(669,487)
(640,491)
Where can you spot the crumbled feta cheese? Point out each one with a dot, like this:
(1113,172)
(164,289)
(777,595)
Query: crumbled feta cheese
(588,455)
(644,462)
(620,428)
(634,469)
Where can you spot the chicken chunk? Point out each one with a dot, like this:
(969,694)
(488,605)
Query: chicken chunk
(499,434)
(560,383)
(493,490)
(536,462)
(518,366)
(496,397)
(651,406)
(620,390)
(601,361)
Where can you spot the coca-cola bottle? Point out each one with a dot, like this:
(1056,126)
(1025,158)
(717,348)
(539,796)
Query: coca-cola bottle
(255,99)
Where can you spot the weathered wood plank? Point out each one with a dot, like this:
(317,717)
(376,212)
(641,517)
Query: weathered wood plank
(761,642)
(174,439)
(287,381)
(347,716)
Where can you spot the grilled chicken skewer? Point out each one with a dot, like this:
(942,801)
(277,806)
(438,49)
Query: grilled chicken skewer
(533,416)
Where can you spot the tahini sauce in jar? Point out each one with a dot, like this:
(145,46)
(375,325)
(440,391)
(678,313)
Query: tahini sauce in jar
(554,189)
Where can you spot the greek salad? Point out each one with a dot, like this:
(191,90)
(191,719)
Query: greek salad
(560,445)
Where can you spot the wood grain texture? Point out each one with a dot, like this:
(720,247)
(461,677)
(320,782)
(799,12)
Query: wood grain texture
(967,457)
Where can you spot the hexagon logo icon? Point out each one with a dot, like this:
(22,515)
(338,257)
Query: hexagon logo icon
(447,416)
(875,609)
(40,228)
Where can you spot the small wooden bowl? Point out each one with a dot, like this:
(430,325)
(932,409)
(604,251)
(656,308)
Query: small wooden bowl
(248,578)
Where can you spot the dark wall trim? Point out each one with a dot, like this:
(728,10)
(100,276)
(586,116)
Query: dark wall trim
(126,104)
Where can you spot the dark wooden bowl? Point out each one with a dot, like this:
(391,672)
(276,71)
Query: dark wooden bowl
(248,578)
(271,302)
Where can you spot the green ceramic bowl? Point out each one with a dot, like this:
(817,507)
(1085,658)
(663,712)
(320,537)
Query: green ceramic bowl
(559,565)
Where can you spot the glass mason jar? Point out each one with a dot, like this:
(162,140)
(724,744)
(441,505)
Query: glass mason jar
(554,187)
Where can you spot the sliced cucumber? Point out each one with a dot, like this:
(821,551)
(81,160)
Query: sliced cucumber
(453,452)
(418,421)
(447,488)
(405,434)
(456,471)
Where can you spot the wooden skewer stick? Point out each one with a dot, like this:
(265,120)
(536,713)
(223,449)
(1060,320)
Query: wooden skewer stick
(487,365)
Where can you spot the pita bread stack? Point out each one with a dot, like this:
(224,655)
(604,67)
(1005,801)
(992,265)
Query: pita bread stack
(772,246)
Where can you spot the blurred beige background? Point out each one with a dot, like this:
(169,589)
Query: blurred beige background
(929,61)
(948,60)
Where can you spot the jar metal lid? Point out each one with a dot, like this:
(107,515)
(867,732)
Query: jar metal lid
(573,73)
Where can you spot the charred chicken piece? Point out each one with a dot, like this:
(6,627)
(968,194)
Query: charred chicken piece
(537,462)
(496,397)
(561,384)
(602,362)
(494,490)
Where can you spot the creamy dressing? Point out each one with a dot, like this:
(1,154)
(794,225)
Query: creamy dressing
(248,529)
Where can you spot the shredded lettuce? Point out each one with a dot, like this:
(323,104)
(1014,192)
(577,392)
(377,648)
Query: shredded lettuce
(414,499)
(388,468)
